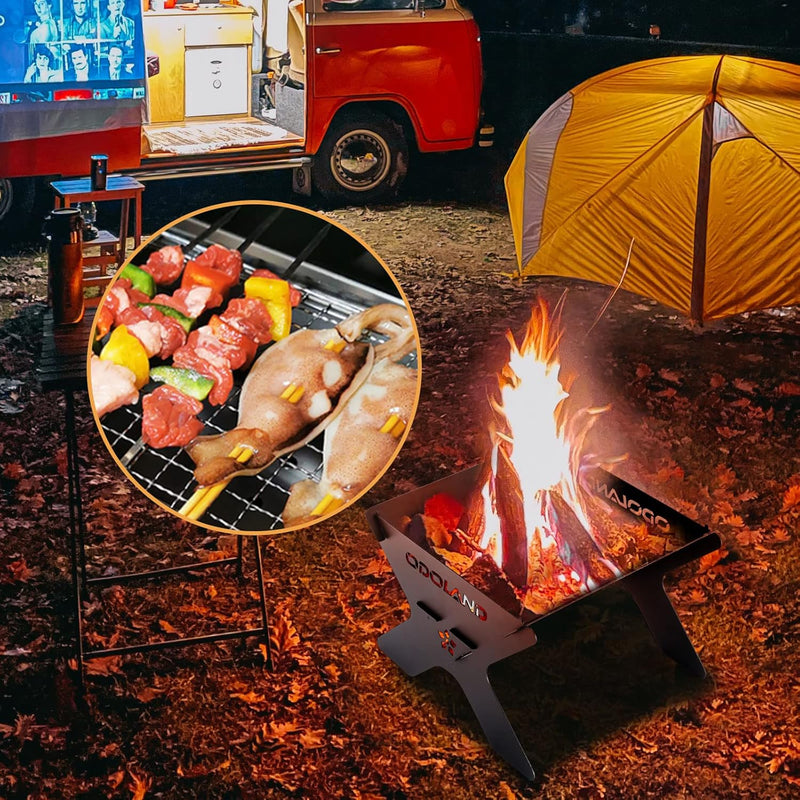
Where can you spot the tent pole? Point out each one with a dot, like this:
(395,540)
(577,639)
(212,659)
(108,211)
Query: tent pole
(701,207)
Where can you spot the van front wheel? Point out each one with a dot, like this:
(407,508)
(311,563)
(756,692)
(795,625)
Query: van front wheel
(6,197)
(362,159)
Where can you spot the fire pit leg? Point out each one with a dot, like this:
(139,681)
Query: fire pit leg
(494,722)
(649,594)
(400,645)
(468,663)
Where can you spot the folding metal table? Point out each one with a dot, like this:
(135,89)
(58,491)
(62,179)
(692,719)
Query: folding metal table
(62,367)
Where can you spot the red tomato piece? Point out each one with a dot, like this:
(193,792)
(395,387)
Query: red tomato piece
(105,319)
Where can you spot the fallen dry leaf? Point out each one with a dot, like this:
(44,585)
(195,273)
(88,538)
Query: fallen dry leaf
(115,779)
(167,627)
(148,694)
(283,635)
(744,386)
(789,389)
(507,791)
(377,567)
(109,665)
(791,499)
(711,559)
(298,690)
(669,375)
(717,381)
(312,740)
(251,698)
(19,570)
(278,731)
(14,471)
(748,537)
(781,535)
(139,785)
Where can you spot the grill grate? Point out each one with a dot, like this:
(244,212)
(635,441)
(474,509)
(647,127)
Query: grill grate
(249,503)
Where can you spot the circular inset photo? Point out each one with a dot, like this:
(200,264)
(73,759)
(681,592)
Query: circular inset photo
(254,367)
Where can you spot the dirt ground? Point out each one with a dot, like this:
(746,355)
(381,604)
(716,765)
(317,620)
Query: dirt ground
(709,419)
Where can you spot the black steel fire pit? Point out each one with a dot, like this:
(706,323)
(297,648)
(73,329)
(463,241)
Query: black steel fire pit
(460,628)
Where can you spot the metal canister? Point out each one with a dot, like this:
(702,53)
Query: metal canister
(99,172)
(65,265)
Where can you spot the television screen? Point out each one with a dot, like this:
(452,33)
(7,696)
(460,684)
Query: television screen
(53,50)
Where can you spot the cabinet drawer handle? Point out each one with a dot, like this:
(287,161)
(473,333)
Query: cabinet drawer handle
(327,51)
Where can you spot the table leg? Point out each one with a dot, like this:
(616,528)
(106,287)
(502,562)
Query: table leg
(240,556)
(123,230)
(76,541)
(137,235)
(263,600)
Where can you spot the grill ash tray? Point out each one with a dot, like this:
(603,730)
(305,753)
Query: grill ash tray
(458,627)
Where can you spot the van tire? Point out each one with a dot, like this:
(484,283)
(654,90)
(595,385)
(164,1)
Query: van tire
(6,197)
(340,170)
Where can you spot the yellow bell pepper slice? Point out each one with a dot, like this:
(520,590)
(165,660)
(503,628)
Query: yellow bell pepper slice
(274,294)
(125,349)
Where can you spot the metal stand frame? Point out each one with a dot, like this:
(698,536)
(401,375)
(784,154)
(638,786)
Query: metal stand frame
(456,627)
(81,583)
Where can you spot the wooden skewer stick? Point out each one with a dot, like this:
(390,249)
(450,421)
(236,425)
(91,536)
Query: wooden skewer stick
(201,500)
(394,425)
(328,503)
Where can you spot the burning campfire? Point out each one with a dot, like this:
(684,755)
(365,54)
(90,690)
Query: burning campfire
(532,521)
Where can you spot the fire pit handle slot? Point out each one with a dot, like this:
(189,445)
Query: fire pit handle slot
(429,611)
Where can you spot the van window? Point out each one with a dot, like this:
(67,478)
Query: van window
(378,5)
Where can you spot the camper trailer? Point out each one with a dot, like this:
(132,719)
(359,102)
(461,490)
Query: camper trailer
(338,90)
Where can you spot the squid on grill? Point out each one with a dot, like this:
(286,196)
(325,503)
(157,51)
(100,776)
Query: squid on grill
(359,443)
(295,389)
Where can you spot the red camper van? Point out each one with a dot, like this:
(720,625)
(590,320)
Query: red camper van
(338,90)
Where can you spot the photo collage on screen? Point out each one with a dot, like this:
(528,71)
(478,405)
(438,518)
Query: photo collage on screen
(94,43)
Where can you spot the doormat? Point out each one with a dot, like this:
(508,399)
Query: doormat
(207,136)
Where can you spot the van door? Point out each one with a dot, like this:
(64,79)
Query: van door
(427,60)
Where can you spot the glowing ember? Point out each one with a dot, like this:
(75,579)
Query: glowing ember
(533,482)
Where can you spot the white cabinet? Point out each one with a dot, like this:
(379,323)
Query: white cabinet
(204,60)
(216,81)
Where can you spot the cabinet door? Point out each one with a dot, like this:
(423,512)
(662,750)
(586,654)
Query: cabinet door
(165,37)
(216,81)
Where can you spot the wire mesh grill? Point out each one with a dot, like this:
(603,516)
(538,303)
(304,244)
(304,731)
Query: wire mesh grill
(249,503)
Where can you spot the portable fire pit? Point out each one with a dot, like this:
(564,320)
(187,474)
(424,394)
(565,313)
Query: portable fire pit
(465,629)
(484,555)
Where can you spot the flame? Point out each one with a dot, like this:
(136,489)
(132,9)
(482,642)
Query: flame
(535,465)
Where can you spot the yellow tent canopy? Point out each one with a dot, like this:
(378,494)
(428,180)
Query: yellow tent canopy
(696,157)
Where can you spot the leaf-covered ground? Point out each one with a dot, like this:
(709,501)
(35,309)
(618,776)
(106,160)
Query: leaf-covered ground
(710,421)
